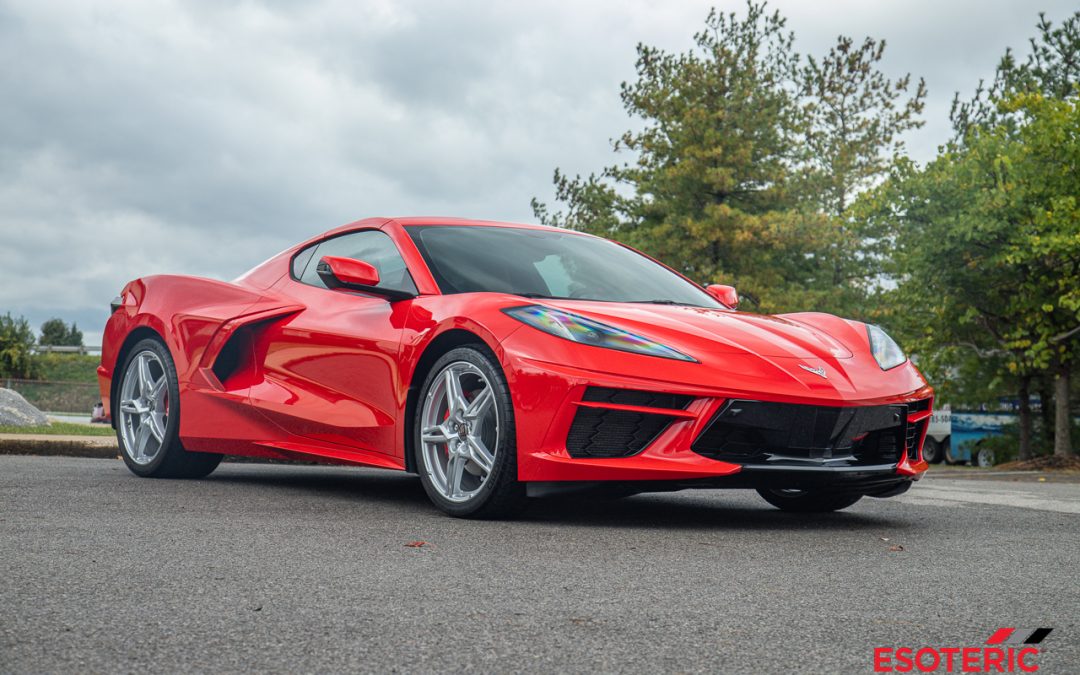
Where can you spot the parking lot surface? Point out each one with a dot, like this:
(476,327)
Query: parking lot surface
(302,569)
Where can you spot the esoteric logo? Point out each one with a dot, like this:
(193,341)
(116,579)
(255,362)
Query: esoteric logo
(1010,650)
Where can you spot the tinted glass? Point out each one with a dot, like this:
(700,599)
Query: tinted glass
(547,263)
(371,246)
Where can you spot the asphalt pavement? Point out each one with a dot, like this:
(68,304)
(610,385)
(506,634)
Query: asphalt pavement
(306,568)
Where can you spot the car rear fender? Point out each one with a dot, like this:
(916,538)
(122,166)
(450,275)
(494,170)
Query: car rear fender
(195,317)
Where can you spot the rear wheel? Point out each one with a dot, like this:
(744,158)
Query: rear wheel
(982,458)
(148,417)
(464,437)
(808,501)
(932,451)
(951,457)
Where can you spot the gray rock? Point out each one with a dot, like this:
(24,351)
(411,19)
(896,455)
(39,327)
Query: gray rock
(14,410)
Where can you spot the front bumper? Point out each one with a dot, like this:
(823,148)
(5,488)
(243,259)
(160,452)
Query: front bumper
(548,397)
(878,481)
(881,481)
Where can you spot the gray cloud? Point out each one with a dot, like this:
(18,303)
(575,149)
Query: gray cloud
(202,137)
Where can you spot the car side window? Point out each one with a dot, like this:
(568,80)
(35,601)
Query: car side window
(301,259)
(371,246)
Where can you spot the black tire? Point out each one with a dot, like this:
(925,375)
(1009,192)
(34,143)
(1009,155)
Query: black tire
(932,451)
(171,460)
(950,457)
(808,501)
(501,495)
(982,457)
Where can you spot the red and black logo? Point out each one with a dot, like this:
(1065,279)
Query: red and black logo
(1011,652)
(1018,636)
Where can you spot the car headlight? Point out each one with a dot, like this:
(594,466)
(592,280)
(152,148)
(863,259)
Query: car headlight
(886,352)
(588,332)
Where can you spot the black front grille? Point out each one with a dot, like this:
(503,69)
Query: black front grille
(645,399)
(783,434)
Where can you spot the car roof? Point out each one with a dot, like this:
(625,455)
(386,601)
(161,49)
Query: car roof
(444,221)
(379,222)
(461,222)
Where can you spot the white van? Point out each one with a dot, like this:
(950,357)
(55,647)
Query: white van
(938,445)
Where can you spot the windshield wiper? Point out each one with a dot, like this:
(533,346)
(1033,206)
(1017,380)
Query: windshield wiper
(658,301)
(663,302)
(543,296)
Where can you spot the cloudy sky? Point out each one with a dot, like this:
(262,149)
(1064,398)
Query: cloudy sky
(201,137)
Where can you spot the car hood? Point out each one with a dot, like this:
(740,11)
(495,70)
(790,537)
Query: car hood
(700,331)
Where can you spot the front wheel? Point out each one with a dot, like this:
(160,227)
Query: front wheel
(808,501)
(464,437)
(147,414)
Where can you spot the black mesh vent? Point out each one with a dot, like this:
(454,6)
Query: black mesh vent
(783,434)
(918,406)
(879,447)
(914,431)
(600,432)
(234,354)
(646,399)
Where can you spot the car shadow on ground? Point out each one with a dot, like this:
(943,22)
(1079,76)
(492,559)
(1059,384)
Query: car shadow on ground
(349,484)
(706,509)
(685,510)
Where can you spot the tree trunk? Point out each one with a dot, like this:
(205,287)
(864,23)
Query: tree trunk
(1062,417)
(1025,418)
(1046,411)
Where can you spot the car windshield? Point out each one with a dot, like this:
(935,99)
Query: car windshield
(550,263)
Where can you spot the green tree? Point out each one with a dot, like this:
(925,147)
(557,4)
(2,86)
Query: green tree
(1052,68)
(1046,164)
(988,248)
(56,332)
(16,346)
(855,118)
(746,161)
(706,190)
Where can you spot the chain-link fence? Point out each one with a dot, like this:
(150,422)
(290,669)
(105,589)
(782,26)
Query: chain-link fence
(60,397)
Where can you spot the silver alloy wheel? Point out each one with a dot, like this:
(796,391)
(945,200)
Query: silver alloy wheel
(459,431)
(144,407)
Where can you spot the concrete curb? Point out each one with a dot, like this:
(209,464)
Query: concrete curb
(102,447)
(94,447)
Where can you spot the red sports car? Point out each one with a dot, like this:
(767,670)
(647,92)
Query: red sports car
(501,362)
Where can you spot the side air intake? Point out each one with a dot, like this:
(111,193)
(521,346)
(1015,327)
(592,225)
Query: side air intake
(614,432)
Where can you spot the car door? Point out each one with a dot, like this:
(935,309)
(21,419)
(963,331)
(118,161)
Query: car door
(331,371)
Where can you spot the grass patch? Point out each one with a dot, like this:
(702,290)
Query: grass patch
(74,397)
(67,367)
(60,429)
(61,383)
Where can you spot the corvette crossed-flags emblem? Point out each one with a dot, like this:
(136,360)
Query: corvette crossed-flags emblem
(817,371)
